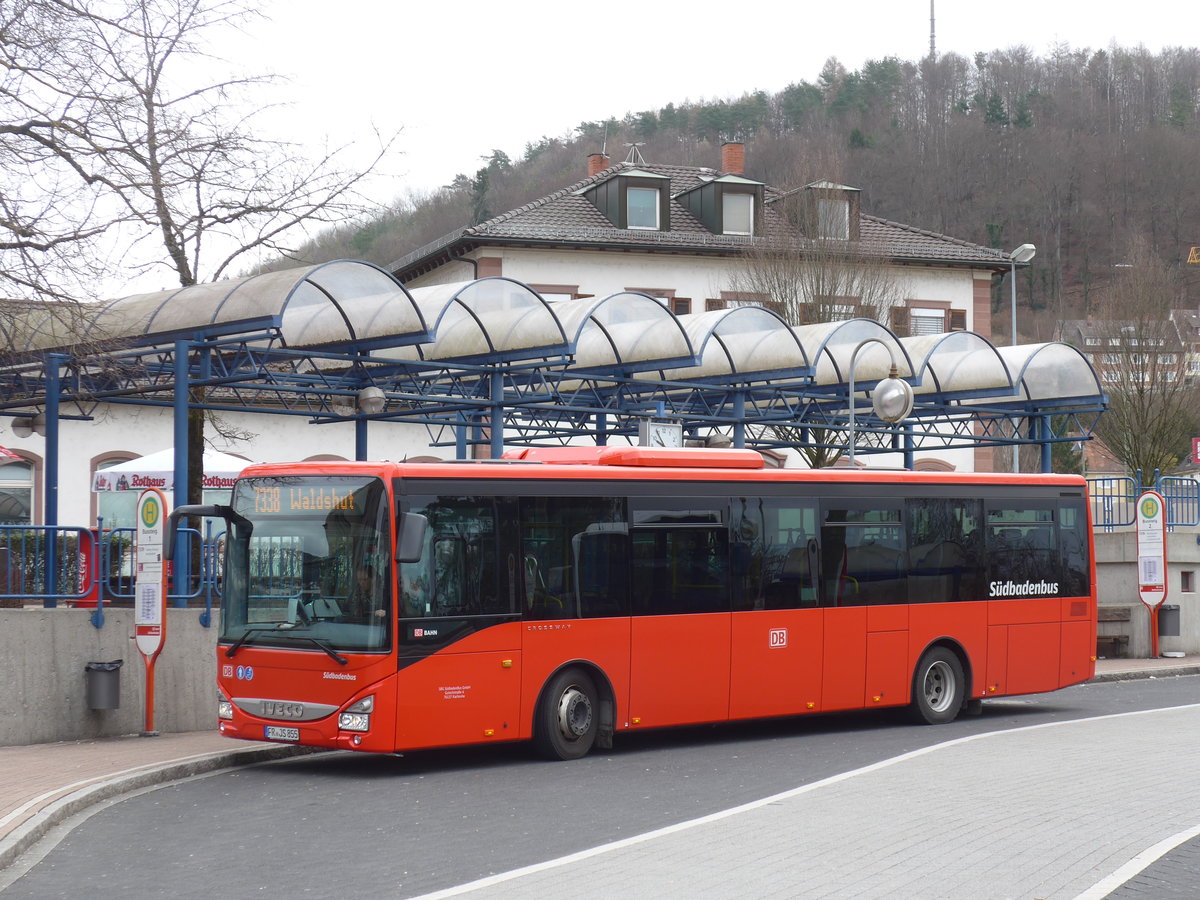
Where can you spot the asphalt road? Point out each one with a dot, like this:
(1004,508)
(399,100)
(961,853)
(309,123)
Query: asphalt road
(348,824)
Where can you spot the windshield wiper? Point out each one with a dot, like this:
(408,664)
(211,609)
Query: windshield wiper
(237,645)
(285,626)
(338,658)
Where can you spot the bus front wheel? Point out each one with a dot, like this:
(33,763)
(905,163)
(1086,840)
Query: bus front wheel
(938,687)
(568,717)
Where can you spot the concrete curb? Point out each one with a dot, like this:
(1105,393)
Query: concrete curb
(33,829)
(1153,672)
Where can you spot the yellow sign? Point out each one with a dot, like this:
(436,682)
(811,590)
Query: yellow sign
(1194,255)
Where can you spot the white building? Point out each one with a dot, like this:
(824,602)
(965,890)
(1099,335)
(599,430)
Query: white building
(673,232)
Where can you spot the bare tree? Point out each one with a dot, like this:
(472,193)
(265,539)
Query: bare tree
(1153,407)
(809,280)
(115,147)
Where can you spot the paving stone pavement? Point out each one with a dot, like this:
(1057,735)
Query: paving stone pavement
(991,816)
(903,820)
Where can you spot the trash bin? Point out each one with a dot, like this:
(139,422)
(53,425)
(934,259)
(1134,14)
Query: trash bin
(1168,620)
(104,684)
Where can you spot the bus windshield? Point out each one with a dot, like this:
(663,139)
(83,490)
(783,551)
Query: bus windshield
(308,566)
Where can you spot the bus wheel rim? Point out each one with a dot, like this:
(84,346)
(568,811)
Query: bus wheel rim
(939,686)
(574,713)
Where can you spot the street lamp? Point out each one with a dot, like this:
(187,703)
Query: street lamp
(371,400)
(892,399)
(1022,254)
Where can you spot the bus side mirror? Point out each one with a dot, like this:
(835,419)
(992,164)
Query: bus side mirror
(181,512)
(199,511)
(410,544)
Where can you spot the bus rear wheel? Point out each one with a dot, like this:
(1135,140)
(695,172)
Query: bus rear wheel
(938,687)
(568,717)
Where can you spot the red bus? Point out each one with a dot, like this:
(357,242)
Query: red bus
(569,594)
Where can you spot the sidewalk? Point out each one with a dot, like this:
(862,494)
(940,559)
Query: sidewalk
(42,785)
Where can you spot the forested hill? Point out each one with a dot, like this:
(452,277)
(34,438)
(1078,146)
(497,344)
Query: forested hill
(1075,152)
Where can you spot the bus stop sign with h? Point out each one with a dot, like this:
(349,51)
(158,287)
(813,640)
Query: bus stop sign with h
(1152,558)
(149,620)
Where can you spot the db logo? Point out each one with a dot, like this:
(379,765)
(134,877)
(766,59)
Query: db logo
(227,671)
(777,637)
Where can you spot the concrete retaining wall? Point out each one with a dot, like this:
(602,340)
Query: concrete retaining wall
(44,696)
(1116,585)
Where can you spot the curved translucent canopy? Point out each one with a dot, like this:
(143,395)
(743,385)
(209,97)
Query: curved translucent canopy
(626,330)
(871,346)
(956,362)
(747,341)
(330,303)
(1051,371)
(347,306)
(488,319)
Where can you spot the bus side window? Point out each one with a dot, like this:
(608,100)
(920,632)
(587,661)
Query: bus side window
(1023,544)
(680,551)
(864,554)
(1073,544)
(779,571)
(457,573)
(944,547)
(574,552)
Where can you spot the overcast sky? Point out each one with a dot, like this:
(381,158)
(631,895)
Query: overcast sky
(463,78)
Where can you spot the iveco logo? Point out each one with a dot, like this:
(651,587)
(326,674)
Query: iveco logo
(278,710)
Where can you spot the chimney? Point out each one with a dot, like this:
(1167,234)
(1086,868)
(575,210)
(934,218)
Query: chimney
(597,163)
(733,158)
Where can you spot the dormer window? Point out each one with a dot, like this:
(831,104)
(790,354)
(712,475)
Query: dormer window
(824,211)
(642,208)
(833,219)
(633,199)
(737,213)
(725,205)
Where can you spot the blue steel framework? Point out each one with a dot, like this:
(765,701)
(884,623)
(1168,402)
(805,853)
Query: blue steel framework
(518,395)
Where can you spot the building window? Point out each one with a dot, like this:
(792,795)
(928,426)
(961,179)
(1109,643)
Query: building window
(681,306)
(16,493)
(927,321)
(118,509)
(1092,341)
(1187,582)
(1167,359)
(642,208)
(555,292)
(738,213)
(833,220)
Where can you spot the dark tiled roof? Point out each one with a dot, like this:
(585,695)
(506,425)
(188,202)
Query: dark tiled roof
(567,217)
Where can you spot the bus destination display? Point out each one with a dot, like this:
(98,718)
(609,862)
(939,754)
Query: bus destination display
(289,499)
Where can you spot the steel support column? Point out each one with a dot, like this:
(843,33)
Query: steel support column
(1044,436)
(182,564)
(496,385)
(54,363)
(360,438)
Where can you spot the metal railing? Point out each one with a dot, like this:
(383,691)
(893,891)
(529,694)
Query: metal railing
(94,567)
(1114,500)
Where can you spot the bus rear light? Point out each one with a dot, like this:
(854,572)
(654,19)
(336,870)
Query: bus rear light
(357,716)
(224,707)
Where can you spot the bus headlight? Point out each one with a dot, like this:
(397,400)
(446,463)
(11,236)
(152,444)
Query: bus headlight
(224,707)
(357,716)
